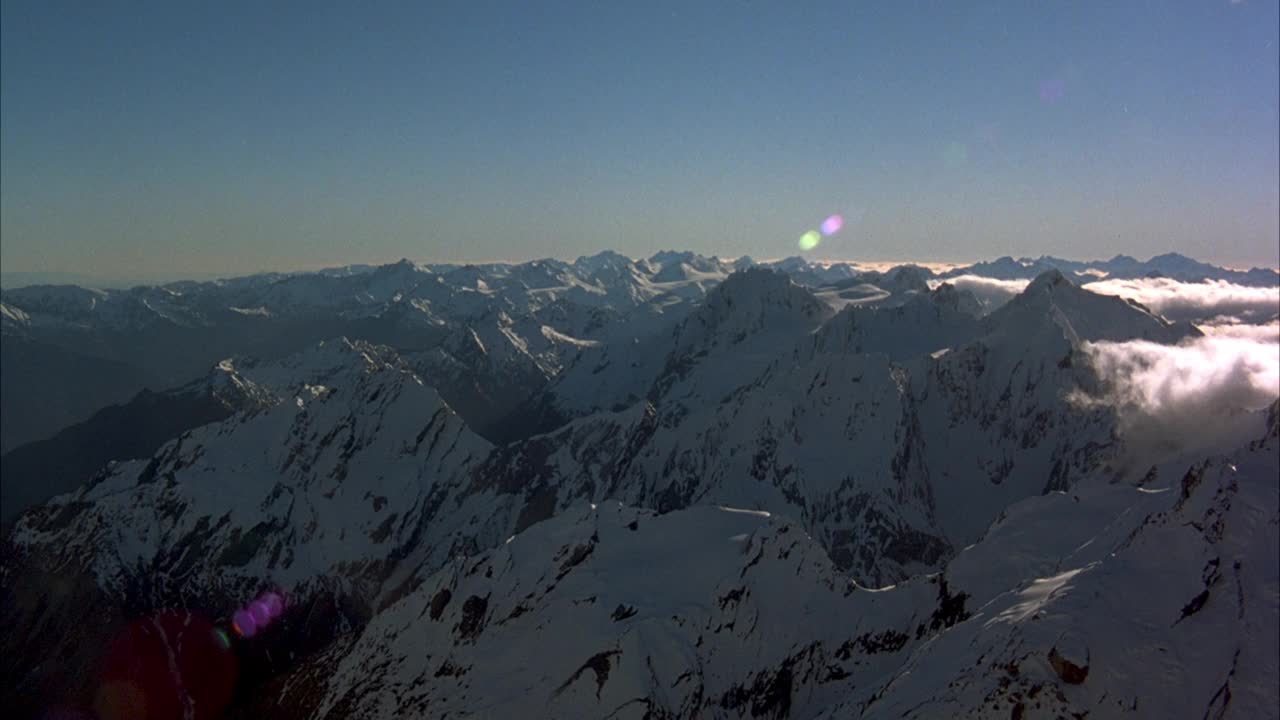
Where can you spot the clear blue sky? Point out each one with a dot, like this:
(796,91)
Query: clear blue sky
(176,138)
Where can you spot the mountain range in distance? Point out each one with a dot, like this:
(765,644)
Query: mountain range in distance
(675,486)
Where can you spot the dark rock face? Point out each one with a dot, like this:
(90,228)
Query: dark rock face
(598,664)
(44,616)
(473,617)
(1069,672)
(440,602)
(950,610)
(768,697)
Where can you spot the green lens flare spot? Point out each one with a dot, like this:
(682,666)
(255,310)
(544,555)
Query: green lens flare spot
(810,240)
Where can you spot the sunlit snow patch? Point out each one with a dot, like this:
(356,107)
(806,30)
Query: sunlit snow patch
(744,511)
(1036,596)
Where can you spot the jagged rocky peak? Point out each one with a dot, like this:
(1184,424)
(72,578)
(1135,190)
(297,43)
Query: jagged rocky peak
(925,323)
(1048,280)
(602,260)
(318,364)
(908,277)
(1082,315)
(947,295)
(666,257)
(319,369)
(764,291)
(402,269)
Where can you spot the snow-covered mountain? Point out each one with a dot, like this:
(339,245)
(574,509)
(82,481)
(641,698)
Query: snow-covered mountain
(753,501)
(717,612)
(1169,265)
(37,471)
(529,319)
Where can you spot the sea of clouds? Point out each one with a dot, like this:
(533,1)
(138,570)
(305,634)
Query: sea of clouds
(1197,394)
(1210,301)
(1200,393)
(1198,301)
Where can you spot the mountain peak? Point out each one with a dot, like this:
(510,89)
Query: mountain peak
(947,295)
(1048,280)
(601,260)
(1084,315)
(760,285)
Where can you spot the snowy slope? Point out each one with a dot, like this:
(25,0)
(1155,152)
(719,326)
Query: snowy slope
(739,614)
(325,484)
(1163,606)
(733,616)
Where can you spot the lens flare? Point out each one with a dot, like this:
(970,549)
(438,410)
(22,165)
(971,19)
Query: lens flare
(257,615)
(224,640)
(832,225)
(244,624)
(261,615)
(168,665)
(1052,90)
(810,240)
(274,604)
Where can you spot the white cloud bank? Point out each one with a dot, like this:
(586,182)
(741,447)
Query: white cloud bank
(1174,399)
(1212,301)
(1190,396)
(1230,327)
(1196,301)
(990,292)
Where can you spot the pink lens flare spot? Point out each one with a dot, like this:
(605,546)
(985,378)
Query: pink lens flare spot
(244,624)
(832,225)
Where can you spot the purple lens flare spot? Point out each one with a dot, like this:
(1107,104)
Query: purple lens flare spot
(244,624)
(261,613)
(1052,90)
(274,604)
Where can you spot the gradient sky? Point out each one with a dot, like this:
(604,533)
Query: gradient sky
(178,138)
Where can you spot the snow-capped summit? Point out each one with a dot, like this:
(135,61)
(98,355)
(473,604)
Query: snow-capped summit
(605,259)
(924,324)
(1083,315)
(964,301)
(735,333)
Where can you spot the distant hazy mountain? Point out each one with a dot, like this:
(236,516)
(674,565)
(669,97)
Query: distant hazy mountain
(1170,265)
